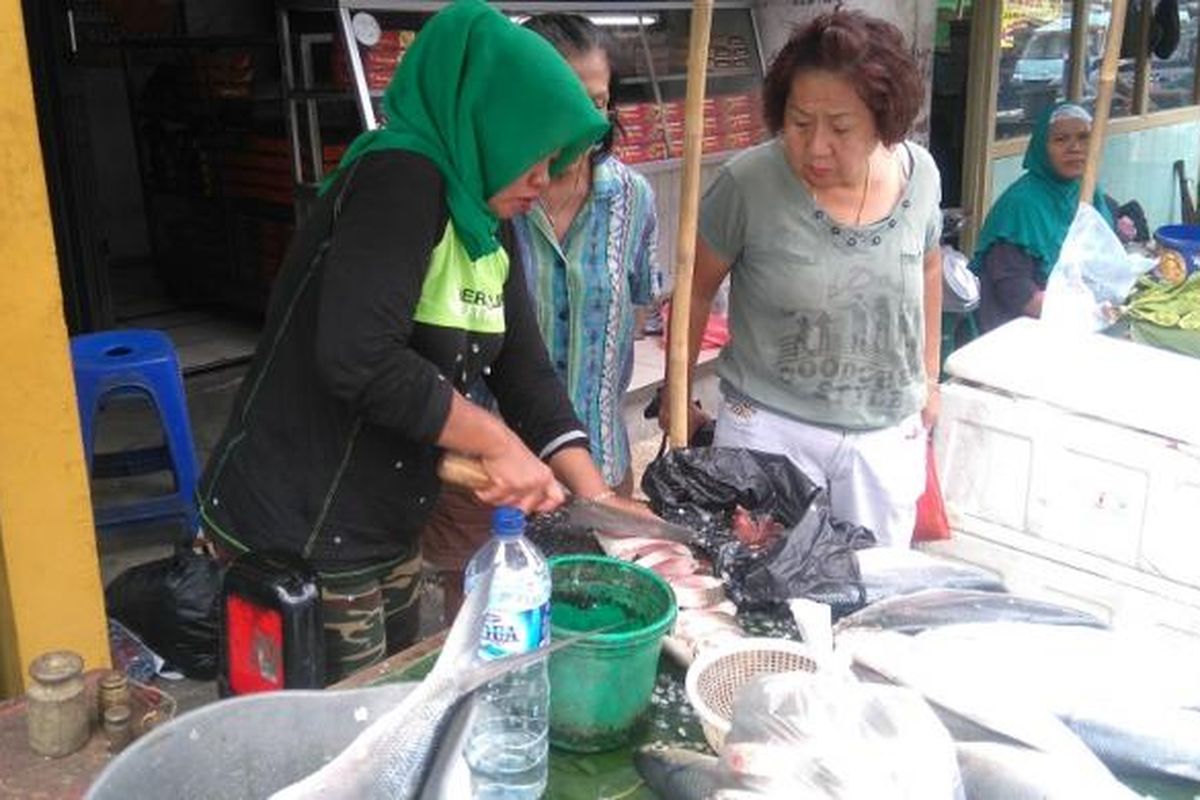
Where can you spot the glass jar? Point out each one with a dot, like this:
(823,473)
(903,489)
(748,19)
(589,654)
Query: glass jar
(57,709)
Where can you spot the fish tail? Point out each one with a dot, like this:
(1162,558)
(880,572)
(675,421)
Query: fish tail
(462,642)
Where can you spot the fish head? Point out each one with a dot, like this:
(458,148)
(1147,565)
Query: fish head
(676,772)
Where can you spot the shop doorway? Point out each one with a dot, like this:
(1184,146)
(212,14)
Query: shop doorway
(947,120)
(142,106)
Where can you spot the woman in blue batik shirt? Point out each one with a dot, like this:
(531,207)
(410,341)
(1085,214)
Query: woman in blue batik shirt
(589,254)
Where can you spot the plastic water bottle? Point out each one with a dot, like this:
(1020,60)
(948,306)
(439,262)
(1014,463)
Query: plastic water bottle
(507,746)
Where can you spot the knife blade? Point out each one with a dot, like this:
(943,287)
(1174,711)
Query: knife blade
(468,472)
(623,524)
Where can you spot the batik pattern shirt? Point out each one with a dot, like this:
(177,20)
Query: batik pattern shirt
(585,289)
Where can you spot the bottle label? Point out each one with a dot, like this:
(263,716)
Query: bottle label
(508,632)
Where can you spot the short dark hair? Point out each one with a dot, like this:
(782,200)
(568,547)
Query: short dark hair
(868,52)
(575,35)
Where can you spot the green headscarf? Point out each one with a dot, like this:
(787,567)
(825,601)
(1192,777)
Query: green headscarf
(1036,211)
(485,100)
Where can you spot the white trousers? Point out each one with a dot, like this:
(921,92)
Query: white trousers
(874,478)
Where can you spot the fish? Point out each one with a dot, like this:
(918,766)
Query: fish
(1072,669)
(667,564)
(753,530)
(913,613)
(697,629)
(391,758)
(628,549)
(1134,740)
(675,773)
(824,735)
(1009,715)
(1128,698)
(697,591)
(667,559)
(993,771)
(890,571)
(696,623)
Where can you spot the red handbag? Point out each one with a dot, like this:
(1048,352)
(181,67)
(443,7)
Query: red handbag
(932,524)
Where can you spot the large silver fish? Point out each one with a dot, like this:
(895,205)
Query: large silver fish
(900,659)
(390,759)
(890,571)
(913,613)
(1072,668)
(992,771)
(1124,697)
(1137,740)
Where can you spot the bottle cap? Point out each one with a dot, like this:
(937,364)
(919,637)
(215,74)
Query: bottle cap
(508,521)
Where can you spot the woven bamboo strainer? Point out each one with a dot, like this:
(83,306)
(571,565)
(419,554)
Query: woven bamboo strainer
(715,677)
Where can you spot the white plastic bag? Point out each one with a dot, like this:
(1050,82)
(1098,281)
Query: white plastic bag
(960,286)
(825,736)
(1093,275)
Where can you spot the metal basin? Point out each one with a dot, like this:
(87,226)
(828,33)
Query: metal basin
(243,747)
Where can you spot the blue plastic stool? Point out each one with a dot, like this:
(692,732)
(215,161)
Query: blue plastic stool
(125,362)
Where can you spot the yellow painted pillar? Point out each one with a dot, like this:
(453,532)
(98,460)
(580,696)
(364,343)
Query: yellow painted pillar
(50,591)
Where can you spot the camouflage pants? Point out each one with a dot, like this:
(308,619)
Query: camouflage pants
(368,618)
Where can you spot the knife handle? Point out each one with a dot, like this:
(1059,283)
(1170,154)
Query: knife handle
(463,471)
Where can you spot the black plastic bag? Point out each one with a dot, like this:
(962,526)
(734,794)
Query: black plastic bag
(172,604)
(689,485)
(702,488)
(814,559)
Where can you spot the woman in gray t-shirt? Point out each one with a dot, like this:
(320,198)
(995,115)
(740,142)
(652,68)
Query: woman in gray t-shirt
(829,233)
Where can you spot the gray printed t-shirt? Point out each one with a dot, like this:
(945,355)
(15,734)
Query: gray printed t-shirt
(827,320)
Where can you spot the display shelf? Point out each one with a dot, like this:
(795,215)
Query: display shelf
(332,56)
(200,107)
(320,51)
(713,75)
(669,164)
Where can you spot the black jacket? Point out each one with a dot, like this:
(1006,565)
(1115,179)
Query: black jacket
(329,450)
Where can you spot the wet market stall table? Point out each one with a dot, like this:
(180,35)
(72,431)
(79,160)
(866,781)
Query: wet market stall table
(575,776)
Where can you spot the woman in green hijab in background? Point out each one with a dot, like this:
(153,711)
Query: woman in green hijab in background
(397,293)
(1024,231)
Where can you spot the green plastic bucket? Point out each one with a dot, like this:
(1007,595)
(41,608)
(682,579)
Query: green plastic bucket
(599,687)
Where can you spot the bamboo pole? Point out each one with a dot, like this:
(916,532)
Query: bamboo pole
(678,366)
(1108,77)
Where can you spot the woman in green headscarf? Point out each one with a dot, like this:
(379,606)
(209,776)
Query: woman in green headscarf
(396,295)
(1024,231)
